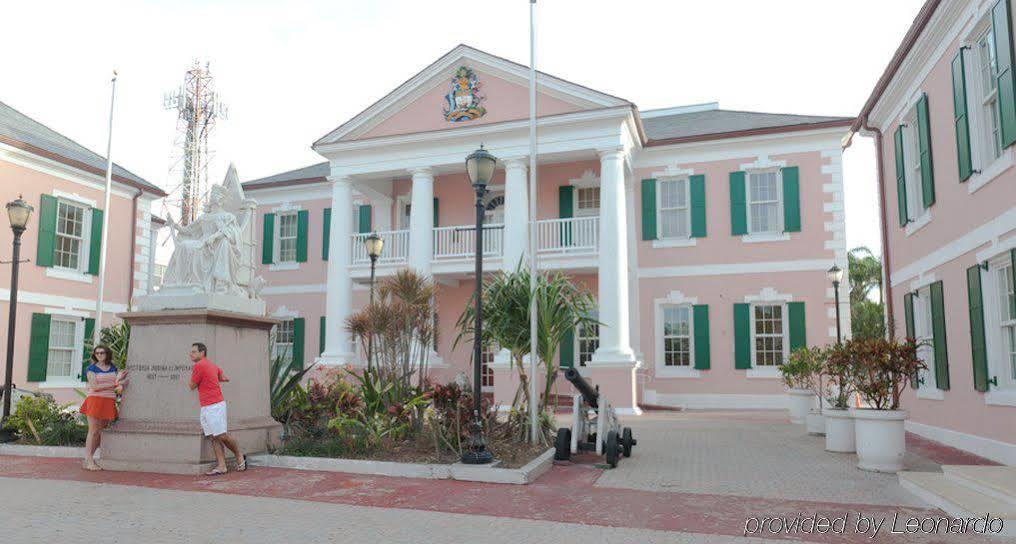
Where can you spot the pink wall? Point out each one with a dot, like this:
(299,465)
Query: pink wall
(505,101)
(315,268)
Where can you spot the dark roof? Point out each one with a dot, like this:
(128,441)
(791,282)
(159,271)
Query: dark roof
(307,174)
(21,131)
(703,125)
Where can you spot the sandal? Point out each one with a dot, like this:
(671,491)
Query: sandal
(242,465)
(93,468)
(216,472)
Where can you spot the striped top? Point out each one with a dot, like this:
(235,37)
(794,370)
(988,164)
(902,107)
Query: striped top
(102,378)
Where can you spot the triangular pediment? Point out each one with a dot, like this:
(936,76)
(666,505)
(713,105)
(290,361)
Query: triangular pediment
(467,87)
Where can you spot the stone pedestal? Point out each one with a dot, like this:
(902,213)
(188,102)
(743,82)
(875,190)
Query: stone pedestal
(159,428)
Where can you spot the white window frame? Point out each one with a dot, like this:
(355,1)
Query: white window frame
(780,227)
(912,168)
(1004,393)
(278,236)
(660,209)
(662,369)
(586,212)
(403,220)
(276,329)
(768,371)
(579,337)
(488,358)
(77,354)
(986,165)
(84,249)
(495,216)
(924,332)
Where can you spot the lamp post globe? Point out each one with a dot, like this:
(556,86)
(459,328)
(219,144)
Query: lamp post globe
(835,276)
(373,244)
(480,168)
(18,213)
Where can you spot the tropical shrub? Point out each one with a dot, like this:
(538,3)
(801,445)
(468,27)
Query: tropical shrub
(283,380)
(310,408)
(881,369)
(867,319)
(40,420)
(839,369)
(117,337)
(803,369)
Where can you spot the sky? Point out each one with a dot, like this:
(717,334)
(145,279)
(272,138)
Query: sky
(290,71)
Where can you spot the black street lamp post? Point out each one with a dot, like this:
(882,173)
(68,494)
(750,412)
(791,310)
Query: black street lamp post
(835,275)
(373,244)
(480,167)
(18,212)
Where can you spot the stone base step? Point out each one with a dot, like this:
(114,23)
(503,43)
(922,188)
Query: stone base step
(957,499)
(998,482)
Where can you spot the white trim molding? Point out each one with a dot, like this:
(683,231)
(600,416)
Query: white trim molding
(768,294)
(807,265)
(712,401)
(996,450)
(673,298)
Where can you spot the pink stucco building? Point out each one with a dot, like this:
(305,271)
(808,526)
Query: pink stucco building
(704,233)
(944,118)
(64,182)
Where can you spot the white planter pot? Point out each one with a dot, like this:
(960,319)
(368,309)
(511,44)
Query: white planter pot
(881,439)
(839,431)
(801,401)
(815,423)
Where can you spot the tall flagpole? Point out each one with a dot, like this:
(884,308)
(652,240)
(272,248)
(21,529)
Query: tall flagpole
(533,319)
(106,219)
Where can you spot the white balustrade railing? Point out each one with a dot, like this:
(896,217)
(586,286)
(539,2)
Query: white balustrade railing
(571,235)
(395,250)
(460,242)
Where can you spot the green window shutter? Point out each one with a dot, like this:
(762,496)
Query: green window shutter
(566,210)
(326,233)
(697,188)
(796,322)
(742,336)
(791,200)
(298,337)
(302,225)
(908,317)
(649,209)
(47,233)
(86,356)
(268,240)
(435,213)
(700,316)
(1012,262)
(938,336)
(95,243)
(924,149)
(978,345)
(901,177)
(567,349)
(321,335)
(365,219)
(38,349)
(738,205)
(1001,23)
(960,119)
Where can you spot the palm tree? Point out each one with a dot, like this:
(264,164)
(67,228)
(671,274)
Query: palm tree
(865,274)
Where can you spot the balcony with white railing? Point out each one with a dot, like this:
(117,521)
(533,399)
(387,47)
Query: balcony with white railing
(396,248)
(460,242)
(573,235)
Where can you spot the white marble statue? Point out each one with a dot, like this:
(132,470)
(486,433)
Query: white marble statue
(214,254)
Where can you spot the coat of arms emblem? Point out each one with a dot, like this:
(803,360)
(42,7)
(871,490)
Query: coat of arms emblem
(463,101)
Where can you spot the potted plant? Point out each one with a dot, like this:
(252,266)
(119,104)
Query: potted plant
(796,376)
(811,362)
(839,420)
(881,370)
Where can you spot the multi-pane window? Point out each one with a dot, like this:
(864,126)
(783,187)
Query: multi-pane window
(63,349)
(764,202)
(287,237)
(1007,307)
(674,209)
(768,334)
(70,235)
(486,359)
(925,336)
(588,339)
(587,200)
(677,336)
(987,68)
(912,163)
(284,341)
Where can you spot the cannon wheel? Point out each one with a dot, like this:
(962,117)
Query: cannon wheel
(627,441)
(612,449)
(562,445)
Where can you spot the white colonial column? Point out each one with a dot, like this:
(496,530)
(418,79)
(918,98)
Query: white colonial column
(421,221)
(339,295)
(516,213)
(615,346)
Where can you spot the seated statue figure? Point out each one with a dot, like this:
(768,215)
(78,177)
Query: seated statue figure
(207,252)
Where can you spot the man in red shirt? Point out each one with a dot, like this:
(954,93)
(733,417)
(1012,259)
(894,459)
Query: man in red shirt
(205,377)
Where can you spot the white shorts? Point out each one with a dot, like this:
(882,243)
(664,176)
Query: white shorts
(213,419)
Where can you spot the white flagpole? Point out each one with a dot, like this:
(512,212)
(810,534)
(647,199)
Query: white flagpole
(106,218)
(533,318)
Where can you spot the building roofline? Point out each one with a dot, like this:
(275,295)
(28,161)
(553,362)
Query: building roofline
(252,186)
(909,39)
(844,122)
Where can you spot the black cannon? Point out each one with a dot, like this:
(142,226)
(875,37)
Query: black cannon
(594,425)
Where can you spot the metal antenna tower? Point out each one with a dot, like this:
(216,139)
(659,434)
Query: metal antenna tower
(198,108)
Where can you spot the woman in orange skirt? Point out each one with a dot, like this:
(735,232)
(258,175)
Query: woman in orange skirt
(104,382)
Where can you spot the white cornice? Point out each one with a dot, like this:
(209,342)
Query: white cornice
(777,143)
(53,168)
(439,71)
